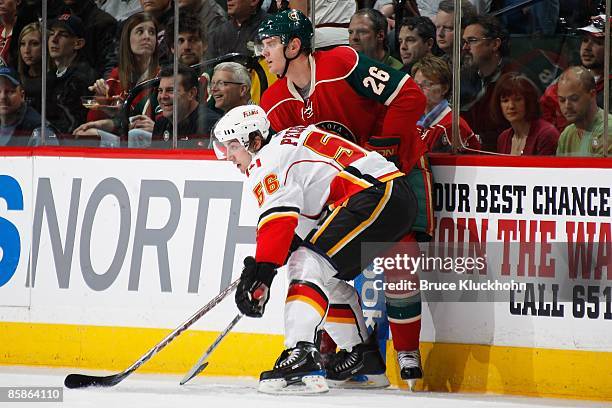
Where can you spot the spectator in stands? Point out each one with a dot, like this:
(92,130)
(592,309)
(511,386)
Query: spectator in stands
(237,34)
(539,18)
(417,39)
(230,86)
(592,58)
(515,98)
(138,62)
(445,24)
(578,100)
(71,73)
(433,76)
(195,120)
(192,45)
(368,34)
(331,20)
(30,11)
(29,63)
(192,40)
(120,9)
(162,11)
(99,34)
(429,8)
(19,123)
(8,18)
(208,12)
(485,46)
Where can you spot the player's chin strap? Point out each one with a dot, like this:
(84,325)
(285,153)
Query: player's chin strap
(288,60)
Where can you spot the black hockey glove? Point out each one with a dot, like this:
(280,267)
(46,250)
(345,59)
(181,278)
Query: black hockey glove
(253,291)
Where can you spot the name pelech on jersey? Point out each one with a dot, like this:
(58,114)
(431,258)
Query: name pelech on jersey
(302,171)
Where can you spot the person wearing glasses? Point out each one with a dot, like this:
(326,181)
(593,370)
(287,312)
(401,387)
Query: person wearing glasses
(444,21)
(485,46)
(433,76)
(230,86)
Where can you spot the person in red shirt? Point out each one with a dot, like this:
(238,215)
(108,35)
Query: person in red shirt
(433,76)
(515,98)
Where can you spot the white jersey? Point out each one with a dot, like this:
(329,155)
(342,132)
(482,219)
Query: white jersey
(302,171)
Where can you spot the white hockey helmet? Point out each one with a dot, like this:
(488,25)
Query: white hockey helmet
(238,124)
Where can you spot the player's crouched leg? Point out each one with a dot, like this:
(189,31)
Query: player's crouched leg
(299,369)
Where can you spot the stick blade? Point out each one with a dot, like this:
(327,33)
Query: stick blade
(82,381)
(190,374)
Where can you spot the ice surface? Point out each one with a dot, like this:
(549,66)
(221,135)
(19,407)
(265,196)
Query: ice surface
(164,391)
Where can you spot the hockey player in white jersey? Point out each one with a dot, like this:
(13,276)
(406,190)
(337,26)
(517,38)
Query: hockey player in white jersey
(356,196)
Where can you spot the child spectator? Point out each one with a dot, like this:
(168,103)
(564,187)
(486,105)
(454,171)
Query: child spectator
(100,30)
(71,75)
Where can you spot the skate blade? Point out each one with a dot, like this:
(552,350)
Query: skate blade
(362,381)
(412,384)
(310,384)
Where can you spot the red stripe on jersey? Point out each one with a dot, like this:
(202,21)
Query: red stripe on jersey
(303,292)
(340,189)
(342,315)
(340,312)
(274,239)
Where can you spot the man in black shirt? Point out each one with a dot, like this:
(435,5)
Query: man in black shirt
(237,34)
(195,120)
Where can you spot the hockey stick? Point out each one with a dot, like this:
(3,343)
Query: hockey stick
(82,380)
(202,363)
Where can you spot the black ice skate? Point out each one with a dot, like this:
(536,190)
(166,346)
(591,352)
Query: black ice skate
(298,370)
(410,366)
(362,367)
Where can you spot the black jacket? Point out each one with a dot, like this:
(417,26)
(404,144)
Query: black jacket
(23,134)
(64,108)
(193,131)
(100,36)
(231,38)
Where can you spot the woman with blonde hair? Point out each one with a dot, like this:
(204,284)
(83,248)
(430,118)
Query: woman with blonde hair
(29,63)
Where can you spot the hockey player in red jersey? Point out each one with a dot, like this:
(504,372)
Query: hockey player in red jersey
(367,102)
(339,90)
(356,195)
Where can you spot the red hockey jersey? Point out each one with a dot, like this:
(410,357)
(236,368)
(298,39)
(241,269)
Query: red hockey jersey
(357,98)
